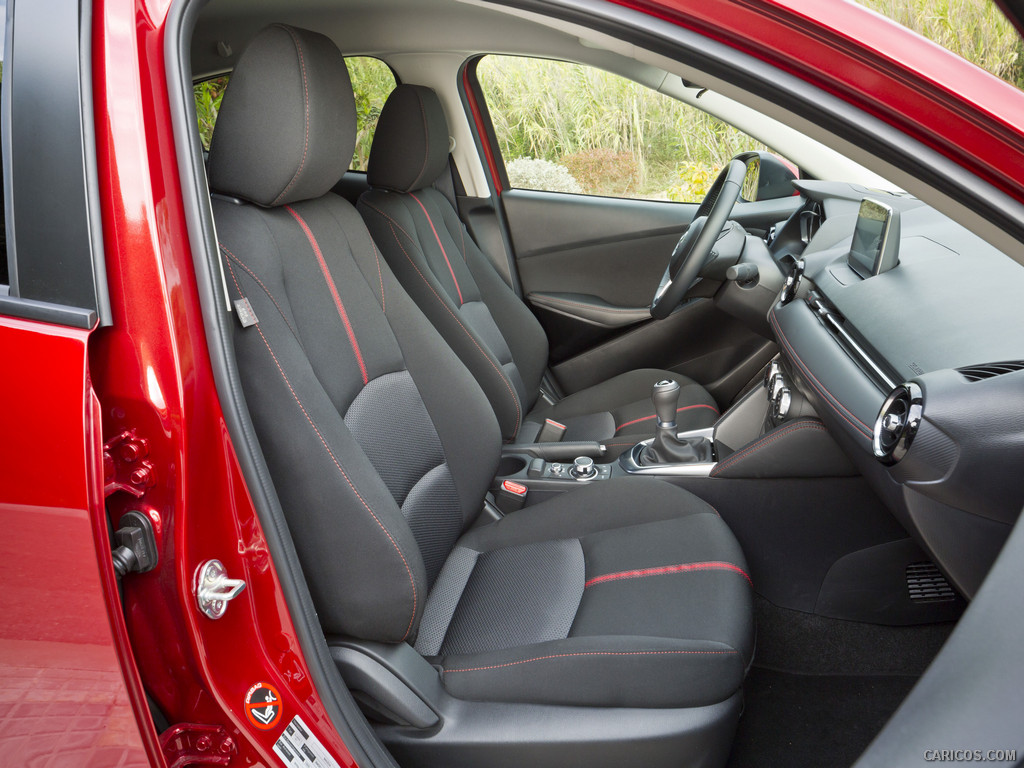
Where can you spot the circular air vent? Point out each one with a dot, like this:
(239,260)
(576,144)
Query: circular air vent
(897,423)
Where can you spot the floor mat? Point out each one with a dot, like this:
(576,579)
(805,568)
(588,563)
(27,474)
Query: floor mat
(821,689)
(812,721)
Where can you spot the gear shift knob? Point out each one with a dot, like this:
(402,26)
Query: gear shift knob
(666,399)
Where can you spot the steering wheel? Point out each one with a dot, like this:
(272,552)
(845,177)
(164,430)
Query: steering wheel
(694,248)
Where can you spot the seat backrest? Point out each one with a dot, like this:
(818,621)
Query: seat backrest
(429,249)
(379,441)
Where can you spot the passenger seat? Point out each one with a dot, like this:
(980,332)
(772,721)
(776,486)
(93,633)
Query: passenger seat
(608,626)
(481,318)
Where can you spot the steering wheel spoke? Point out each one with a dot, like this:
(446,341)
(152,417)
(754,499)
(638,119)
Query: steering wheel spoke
(698,241)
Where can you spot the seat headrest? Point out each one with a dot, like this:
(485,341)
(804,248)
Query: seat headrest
(287,125)
(410,143)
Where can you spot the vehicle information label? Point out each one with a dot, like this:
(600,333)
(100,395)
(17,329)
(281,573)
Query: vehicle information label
(298,746)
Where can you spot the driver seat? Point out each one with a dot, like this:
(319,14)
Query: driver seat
(487,325)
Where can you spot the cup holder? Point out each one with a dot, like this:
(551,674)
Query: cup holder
(510,465)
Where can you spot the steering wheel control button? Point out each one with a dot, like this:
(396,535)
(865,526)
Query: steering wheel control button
(583,468)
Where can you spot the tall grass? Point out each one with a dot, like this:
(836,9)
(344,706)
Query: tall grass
(974,29)
(615,136)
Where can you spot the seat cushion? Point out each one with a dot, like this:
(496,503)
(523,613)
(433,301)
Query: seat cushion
(626,593)
(621,407)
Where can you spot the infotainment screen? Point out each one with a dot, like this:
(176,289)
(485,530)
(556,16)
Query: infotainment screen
(875,239)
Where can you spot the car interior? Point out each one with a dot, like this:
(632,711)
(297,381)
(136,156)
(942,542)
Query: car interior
(598,480)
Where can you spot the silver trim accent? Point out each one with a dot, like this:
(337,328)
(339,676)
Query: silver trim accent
(904,434)
(583,469)
(214,590)
(828,317)
(783,401)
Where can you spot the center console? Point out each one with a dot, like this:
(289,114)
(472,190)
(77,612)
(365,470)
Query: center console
(771,431)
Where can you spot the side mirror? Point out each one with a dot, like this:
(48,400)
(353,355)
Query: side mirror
(768,177)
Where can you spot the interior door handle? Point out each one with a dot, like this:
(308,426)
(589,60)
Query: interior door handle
(589,309)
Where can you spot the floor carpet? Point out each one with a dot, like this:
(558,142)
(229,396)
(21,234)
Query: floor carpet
(820,689)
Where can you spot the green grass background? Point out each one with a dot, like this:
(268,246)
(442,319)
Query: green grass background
(616,137)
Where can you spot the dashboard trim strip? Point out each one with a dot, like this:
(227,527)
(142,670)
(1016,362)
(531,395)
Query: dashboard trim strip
(837,406)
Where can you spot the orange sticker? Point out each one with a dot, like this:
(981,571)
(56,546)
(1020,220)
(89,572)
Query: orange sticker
(263,706)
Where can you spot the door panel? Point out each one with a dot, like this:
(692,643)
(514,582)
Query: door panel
(609,247)
(58,653)
(613,251)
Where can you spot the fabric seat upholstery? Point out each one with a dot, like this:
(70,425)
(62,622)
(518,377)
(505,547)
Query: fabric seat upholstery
(483,320)
(381,446)
(570,602)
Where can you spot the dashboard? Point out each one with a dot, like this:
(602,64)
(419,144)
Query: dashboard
(918,369)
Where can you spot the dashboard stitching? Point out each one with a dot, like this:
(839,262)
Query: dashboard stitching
(831,399)
(763,443)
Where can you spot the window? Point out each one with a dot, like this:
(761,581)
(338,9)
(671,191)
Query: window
(372,83)
(571,128)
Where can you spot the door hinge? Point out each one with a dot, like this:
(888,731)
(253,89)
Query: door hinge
(192,744)
(125,466)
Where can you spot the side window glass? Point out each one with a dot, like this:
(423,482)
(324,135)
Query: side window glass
(372,83)
(565,127)
(208,95)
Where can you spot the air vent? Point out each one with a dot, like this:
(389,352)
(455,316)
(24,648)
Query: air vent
(897,423)
(980,372)
(926,584)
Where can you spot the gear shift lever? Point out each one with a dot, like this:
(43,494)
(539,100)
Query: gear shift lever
(666,399)
(667,448)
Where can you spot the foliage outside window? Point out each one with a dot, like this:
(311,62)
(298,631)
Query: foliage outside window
(973,29)
(570,128)
(372,82)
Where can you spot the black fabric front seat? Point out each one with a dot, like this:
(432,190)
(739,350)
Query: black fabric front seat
(610,625)
(480,317)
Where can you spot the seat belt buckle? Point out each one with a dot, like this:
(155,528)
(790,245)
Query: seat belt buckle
(511,496)
(550,432)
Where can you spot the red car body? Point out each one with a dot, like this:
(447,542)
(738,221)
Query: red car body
(123,417)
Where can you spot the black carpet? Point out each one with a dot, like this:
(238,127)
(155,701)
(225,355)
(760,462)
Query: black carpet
(821,689)
(815,721)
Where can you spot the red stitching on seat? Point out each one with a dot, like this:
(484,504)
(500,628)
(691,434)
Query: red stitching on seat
(443,252)
(254,277)
(392,224)
(323,442)
(654,415)
(766,441)
(334,292)
(380,275)
(668,569)
(592,653)
(305,102)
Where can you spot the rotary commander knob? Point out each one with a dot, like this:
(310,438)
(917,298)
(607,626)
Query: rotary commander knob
(583,468)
